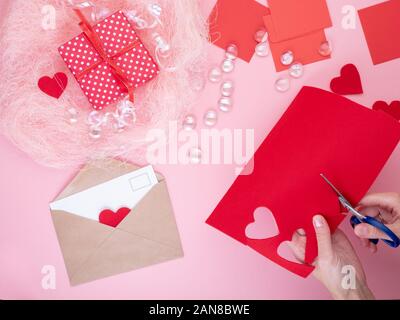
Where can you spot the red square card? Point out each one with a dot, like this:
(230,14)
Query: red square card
(304,48)
(381,24)
(236,22)
(294,18)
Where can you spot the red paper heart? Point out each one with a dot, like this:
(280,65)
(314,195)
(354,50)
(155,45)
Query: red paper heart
(393,109)
(264,225)
(113,219)
(349,81)
(55,86)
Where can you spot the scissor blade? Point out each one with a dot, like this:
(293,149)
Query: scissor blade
(332,186)
(344,202)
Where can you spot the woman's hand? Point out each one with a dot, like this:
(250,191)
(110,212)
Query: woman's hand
(382,206)
(334,254)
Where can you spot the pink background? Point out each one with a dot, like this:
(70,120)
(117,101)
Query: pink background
(214,266)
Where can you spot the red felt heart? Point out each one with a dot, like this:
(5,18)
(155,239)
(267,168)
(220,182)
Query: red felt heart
(393,109)
(55,86)
(349,81)
(113,219)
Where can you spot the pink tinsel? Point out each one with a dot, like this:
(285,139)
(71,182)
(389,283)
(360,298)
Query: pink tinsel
(39,124)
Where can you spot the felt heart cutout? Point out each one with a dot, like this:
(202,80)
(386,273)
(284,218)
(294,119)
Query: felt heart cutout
(349,81)
(53,87)
(393,109)
(113,219)
(264,225)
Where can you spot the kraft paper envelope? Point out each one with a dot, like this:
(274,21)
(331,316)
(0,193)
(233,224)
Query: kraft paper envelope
(148,234)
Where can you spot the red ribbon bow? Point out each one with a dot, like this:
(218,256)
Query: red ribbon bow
(96,43)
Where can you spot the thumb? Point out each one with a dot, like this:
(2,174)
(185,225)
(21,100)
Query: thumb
(324,239)
(366,231)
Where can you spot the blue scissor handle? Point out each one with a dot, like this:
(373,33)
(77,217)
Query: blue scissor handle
(394,243)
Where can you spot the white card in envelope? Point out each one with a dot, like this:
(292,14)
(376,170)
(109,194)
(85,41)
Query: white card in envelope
(125,191)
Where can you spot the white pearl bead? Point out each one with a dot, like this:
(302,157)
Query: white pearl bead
(210,118)
(282,84)
(225,104)
(227,66)
(231,52)
(227,88)
(296,70)
(194,155)
(325,49)
(287,58)
(189,122)
(262,49)
(215,75)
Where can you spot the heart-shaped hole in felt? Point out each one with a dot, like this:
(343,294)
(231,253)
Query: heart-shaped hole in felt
(285,252)
(264,225)
(298,243)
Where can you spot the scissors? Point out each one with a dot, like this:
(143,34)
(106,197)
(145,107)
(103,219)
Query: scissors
(358,218)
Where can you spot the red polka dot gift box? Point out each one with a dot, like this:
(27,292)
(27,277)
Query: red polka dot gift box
(108,60)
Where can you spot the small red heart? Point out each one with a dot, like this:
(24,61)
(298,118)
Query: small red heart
(393,109)
(55,86)
(113,219)
(349,81)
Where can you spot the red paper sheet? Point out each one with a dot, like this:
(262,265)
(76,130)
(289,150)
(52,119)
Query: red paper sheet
(237,22)
(305,49)
(321,132)
(381,24)
(297,26)
(294,18)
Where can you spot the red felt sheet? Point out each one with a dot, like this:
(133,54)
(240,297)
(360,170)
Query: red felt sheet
(321,132)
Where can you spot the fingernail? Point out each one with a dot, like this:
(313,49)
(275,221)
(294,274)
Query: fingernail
(318,223)
(301,232)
